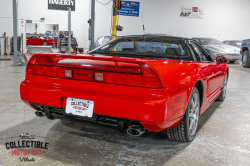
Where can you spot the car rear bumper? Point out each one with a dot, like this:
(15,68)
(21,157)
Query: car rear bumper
(151,107)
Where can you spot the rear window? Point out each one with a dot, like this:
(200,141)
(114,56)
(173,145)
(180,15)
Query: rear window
(146,47)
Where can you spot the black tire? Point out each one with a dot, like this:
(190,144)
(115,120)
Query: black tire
(245,59)
(182,132)
(223,90)
(45,43)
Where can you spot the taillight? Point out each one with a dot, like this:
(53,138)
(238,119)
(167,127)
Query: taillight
(150,78)
(122,74)
(34,67)
(146,79)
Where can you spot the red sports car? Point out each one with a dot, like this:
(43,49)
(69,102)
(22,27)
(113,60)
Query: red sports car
(153,83)
(39,41)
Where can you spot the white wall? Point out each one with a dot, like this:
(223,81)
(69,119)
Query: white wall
(223,19)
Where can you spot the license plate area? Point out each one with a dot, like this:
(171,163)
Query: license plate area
(79,107)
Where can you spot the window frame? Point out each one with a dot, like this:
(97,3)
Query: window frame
(205,51)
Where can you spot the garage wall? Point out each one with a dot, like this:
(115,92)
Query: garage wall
(223,19)
(6,17)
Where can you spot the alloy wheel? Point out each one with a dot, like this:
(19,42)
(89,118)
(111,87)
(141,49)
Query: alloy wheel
(194,114)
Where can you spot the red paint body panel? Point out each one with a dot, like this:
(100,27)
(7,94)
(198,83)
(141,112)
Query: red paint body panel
(39,41)
(156,109)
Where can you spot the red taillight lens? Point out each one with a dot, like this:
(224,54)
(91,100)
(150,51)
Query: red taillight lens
(49,71)
(147,79)
(150,78)
(34,60)
(131,74)
(47,60)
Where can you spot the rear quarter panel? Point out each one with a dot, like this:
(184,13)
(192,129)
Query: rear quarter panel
(180,77)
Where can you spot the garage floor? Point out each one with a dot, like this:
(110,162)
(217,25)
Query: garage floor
(223,136)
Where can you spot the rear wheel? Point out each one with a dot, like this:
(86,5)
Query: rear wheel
(185,131)
(245,59)
(223,90)
(45,43)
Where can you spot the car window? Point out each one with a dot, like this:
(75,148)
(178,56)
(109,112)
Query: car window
(153,47)
(204,42)
(200,53)
(124,46)
(146,47)
(237,43)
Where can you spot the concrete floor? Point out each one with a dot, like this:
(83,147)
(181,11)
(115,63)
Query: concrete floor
(223,136)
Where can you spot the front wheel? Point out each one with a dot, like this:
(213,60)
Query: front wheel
(185,131)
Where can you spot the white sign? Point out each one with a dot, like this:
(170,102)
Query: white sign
(191,12)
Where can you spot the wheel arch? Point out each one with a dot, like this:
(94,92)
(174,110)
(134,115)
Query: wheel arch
(245,49)
(199,85)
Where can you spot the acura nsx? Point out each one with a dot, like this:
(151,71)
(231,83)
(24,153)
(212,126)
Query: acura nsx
(139,83)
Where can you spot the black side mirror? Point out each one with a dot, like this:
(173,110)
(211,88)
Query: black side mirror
(221,59)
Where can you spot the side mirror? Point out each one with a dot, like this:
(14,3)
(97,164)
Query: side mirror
(221,59)
(208,51)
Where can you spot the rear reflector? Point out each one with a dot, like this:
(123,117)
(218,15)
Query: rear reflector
(146,77)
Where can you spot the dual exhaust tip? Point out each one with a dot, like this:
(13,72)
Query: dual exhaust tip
(134,131)
(130,129)
(40,113)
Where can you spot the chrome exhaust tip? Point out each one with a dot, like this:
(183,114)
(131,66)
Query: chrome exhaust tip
(40,113)
(136,132)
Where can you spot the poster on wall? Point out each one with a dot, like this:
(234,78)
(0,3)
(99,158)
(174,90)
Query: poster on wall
(61,4)
(129,8)
(191,12)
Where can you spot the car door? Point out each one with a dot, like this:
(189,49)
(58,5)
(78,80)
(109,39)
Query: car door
(214,78)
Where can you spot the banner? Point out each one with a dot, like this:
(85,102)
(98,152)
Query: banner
(129,8)
(61,4)
(191,12)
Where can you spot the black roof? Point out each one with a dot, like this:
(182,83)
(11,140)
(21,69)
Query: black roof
(156,35)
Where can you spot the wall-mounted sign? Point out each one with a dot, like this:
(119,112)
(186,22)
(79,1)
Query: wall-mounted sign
(61,4)
(129,8)
(28,21)
(191,12)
